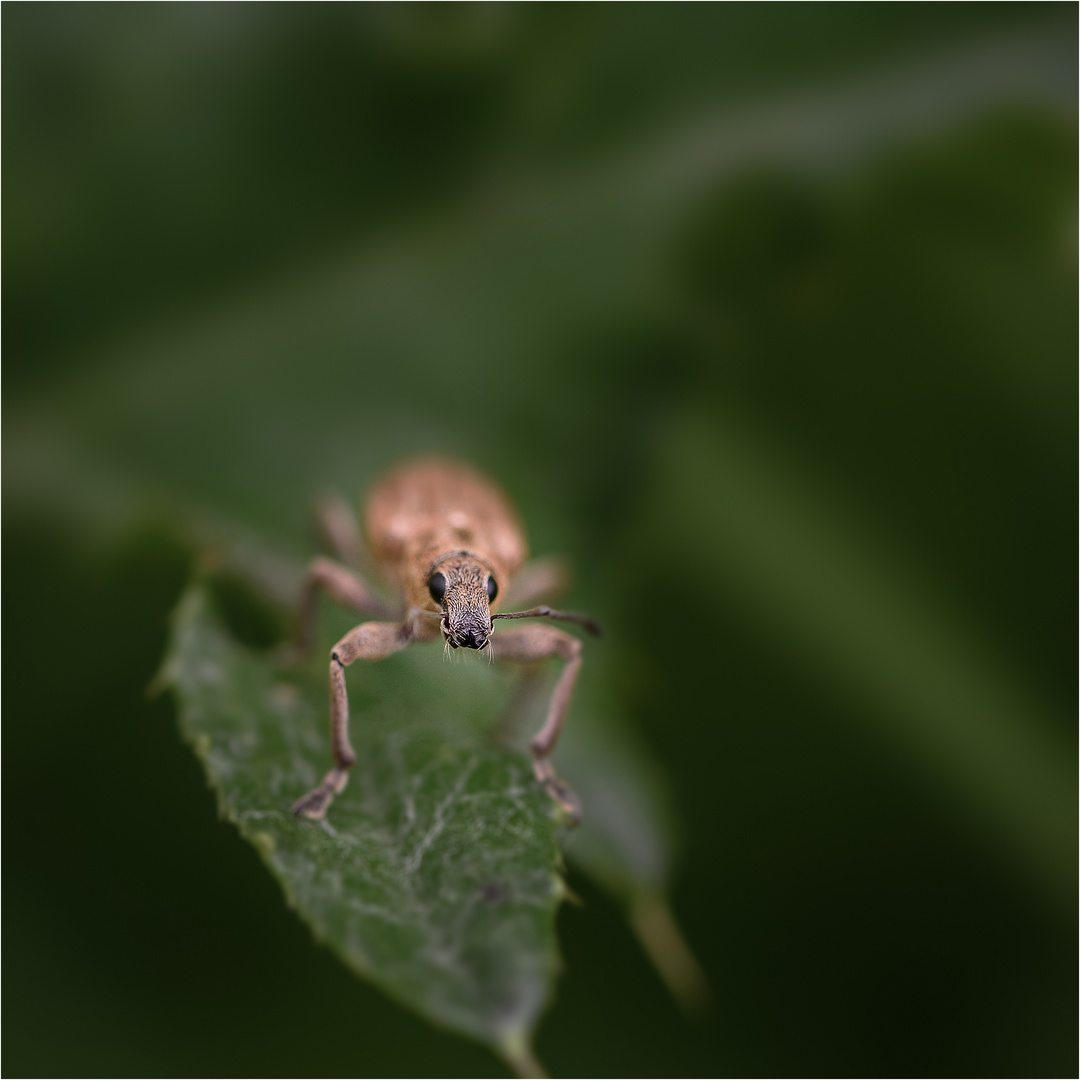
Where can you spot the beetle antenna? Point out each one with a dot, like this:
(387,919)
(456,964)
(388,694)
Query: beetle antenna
(544,611)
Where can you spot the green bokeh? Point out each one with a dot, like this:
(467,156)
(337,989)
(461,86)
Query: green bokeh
(764,315)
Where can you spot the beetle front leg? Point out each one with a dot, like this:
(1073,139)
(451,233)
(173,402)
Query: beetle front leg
(540,643)
(368,641)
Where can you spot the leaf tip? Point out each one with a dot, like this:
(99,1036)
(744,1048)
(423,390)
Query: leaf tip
(516,1050)
(654,924)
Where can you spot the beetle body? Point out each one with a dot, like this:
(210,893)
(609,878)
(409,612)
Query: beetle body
(449,543)
(433,517)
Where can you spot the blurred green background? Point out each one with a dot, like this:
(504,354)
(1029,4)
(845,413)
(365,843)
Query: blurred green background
(764,314)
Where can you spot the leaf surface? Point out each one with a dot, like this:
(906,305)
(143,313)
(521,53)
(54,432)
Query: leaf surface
(435,873)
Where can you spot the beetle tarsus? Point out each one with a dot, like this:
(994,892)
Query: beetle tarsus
(316,802)
(558,791)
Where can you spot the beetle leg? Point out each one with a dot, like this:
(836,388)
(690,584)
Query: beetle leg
(336,526)
(368,641)
(538,580)
(345,586)
(538,643)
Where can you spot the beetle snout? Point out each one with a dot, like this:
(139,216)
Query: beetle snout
(472,639)
(467,639)
(466,619)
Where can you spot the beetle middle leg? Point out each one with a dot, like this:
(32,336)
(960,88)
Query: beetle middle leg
(345,586)
(538,580)
(335,525)
(368,641)
(337,529)
(539,643)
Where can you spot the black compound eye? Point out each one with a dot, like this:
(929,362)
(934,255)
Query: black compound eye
(437,587)
(492,589)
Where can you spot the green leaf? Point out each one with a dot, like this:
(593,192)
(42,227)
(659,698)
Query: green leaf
(627,838)
(435,875)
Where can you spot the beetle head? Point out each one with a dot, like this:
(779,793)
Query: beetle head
(464,587)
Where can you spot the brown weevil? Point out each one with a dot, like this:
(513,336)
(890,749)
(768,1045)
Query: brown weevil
(450,544)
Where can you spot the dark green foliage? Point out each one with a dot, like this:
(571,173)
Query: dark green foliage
(766,319)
